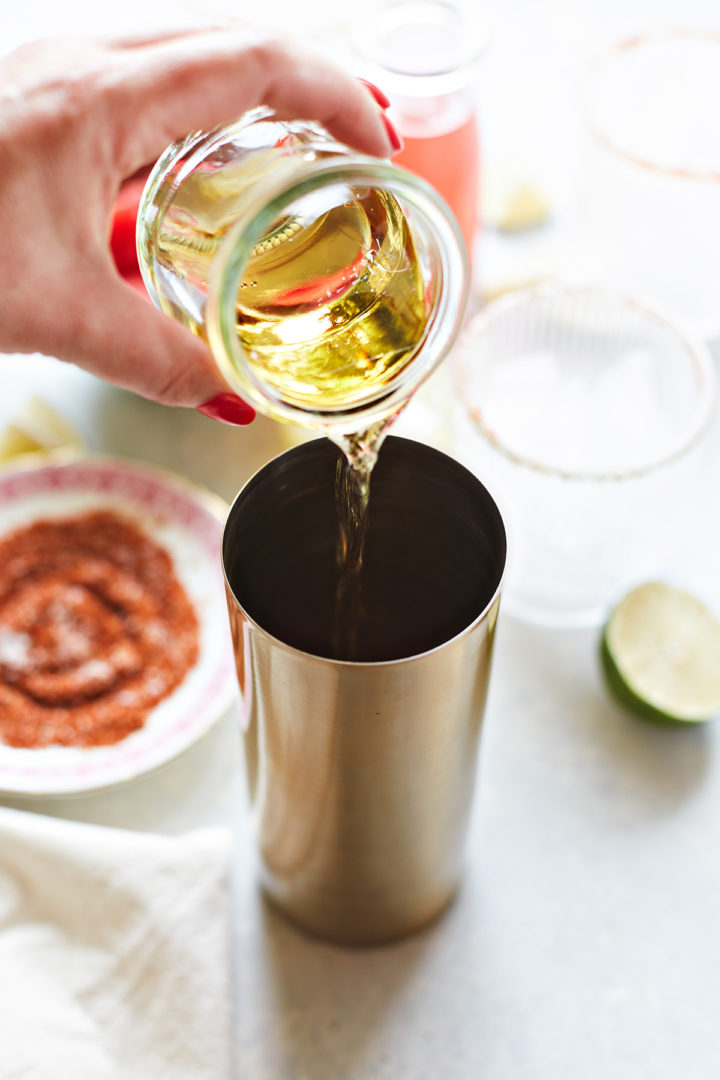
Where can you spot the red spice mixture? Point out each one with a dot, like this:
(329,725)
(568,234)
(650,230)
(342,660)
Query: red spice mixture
(95,630)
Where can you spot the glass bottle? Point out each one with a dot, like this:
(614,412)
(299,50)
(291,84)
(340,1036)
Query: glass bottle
(424,55)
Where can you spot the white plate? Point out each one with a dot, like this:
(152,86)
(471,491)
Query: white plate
(188,522)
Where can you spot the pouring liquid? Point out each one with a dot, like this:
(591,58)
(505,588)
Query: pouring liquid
(352,500)
(331,307)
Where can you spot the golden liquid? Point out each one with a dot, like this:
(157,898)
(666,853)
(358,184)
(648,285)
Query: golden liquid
(332,305)
(352,500)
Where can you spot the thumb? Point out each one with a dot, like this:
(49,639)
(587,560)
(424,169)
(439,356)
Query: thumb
(120,336)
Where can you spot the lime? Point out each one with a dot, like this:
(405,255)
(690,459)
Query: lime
(660,651)
(37,427)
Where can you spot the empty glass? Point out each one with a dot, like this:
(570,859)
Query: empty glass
(649,189)
(580,412)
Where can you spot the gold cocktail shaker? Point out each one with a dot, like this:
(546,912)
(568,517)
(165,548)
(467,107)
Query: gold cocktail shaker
(361,773)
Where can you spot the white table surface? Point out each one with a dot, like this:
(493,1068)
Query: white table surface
(585,941)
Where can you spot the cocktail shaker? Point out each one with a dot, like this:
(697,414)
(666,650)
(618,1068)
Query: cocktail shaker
(361,773)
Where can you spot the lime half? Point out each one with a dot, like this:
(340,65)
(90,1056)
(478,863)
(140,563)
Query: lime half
(661,655)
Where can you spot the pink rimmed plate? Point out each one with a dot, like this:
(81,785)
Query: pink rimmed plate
(188,522)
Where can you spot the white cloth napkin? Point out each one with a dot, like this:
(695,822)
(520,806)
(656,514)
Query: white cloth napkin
(114,952)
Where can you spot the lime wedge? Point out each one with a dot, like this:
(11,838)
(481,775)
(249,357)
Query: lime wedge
(14,441)
(37,427)
(660,652)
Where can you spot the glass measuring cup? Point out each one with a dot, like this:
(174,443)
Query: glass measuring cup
(329,285)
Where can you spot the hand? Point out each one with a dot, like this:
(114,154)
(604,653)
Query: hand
(77,118)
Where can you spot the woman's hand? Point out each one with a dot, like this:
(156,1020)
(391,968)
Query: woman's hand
(77,118)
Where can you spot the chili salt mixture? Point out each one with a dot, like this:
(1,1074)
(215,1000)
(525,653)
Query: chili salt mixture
(95,630)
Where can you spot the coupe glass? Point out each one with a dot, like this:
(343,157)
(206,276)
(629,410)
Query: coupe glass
(649,192)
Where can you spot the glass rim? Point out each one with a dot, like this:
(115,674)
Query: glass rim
(236,248)
(695,349)
(601,64)
(180,158)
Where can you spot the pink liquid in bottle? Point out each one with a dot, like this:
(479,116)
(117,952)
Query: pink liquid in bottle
(450,161)
(424,55)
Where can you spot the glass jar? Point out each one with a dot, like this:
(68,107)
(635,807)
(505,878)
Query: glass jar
(328,284)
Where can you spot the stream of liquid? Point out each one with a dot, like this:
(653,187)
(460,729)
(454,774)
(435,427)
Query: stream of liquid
(352,500)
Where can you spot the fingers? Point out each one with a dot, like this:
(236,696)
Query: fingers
(311,88)
(115,332)
(165,33)
(155,33)
(102,111)
(199,81)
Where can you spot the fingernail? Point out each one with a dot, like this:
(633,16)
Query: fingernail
(395,140)
(228,408)
(382,99)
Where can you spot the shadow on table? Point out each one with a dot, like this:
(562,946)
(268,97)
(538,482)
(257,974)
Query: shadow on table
(334,1006)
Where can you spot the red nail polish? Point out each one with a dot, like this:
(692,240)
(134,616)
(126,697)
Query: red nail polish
(395,140)
(382,99)
(228,408)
